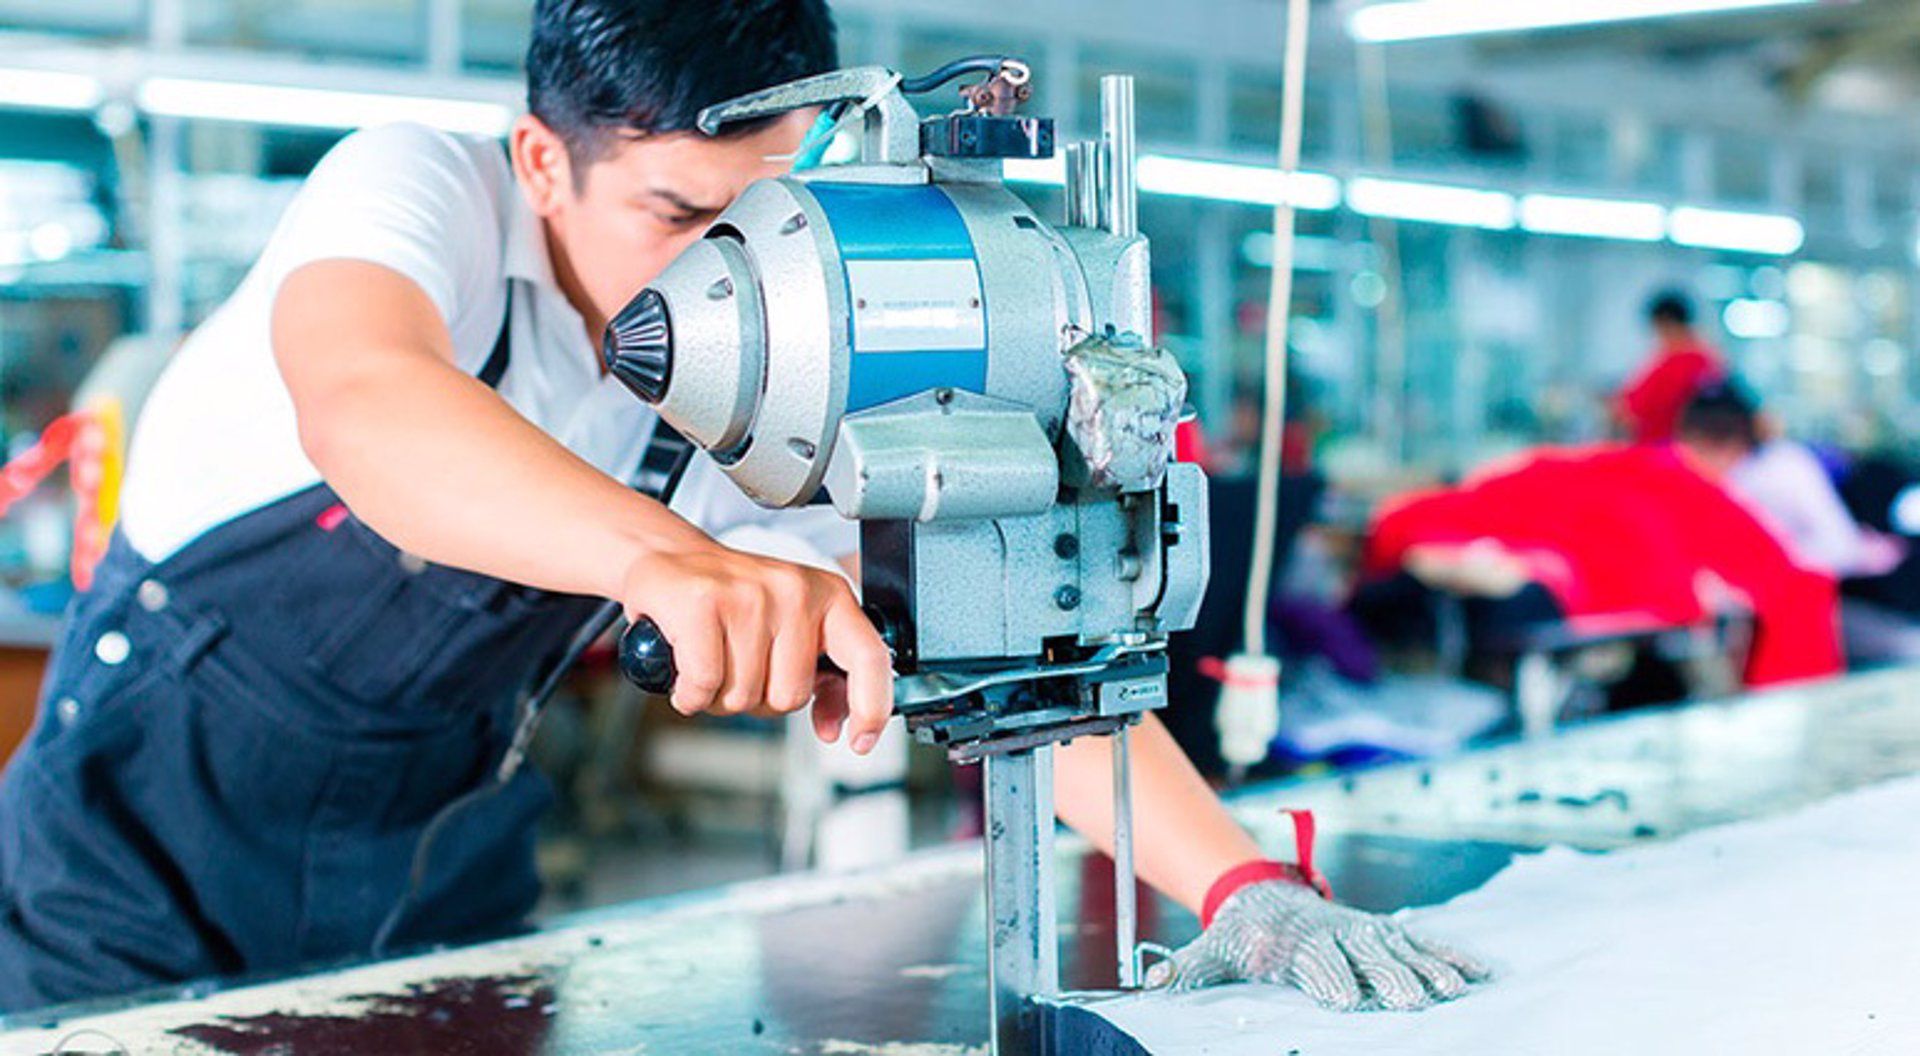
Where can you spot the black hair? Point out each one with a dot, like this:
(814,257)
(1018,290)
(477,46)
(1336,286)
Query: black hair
(1671,306)
(1720,413)
(599,68)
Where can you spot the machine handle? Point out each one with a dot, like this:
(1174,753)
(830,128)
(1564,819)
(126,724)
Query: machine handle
(892,128)
(646,659)
(865,85)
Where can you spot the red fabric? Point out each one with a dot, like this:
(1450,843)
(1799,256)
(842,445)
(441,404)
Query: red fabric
(1652,401)
(24,473)
(81,441)
(1262,870)
(1190,444)
(1630,531)
(87,473)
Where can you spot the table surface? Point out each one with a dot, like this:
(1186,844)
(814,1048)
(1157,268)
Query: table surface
(891,963)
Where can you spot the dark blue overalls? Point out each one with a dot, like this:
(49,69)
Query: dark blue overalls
(238,748)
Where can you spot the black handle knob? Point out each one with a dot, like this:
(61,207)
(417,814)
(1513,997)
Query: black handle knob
(646,658)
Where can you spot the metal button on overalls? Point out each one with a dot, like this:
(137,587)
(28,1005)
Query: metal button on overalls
(112,648)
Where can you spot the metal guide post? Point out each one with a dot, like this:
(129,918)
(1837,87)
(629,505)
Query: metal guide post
(1119,214)
(1120,211)
(1082,185)
(1024,961)
(1125,911)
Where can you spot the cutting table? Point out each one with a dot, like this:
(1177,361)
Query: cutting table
(890,963)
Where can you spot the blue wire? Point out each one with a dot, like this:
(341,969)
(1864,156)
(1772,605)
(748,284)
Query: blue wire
(819,138)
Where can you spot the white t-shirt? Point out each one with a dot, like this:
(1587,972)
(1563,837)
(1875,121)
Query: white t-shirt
(217,438)
(1785,480)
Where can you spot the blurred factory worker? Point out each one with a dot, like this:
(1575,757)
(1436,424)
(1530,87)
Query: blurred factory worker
(1784,481)
(384,480)
(1649,407)
(1618,531)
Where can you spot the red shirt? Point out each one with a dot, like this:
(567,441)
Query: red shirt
(1652,401)
(1630,531)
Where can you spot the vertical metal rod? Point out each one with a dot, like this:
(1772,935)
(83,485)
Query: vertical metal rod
(1116,136)
(1023,937)
(1082,185)
(166,23)
(1125,911)
(166,305)
(445,36)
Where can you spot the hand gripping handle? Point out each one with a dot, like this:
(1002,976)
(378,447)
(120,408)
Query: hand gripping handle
(646,659)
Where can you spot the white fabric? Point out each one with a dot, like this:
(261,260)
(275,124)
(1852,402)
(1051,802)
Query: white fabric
(218,438)
(1421,716)
(1791,935)
(1787,482)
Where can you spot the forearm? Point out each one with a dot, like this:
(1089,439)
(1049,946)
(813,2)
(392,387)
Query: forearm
(1183,836)
(434,460)
(441,467)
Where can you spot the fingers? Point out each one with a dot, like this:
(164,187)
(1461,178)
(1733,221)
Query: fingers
(790,669)
(851,643)
(745,686)
(1321,971)
(699,657)
(1470,969)
(747,633)
(1196,965)
(829,707)
(1443,980)
(1394,985)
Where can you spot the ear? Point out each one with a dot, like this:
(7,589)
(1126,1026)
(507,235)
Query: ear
(541,164)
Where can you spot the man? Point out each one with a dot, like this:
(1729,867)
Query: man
(1649,406)
(384,480)
(1613,531)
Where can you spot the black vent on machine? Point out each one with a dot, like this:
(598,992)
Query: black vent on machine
(638,347)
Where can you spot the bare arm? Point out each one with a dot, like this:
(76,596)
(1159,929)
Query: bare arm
(431,457)
(1184,839)
(441,466)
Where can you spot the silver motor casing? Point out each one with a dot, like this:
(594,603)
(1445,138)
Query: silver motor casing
(770,411)
(897,335)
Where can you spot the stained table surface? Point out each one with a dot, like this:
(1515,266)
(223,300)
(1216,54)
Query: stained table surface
(891,963)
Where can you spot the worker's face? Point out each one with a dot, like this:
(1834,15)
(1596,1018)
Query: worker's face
(632,209)
(1669,332)
(1712,459)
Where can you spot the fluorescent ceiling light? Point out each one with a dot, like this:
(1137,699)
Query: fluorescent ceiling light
(283,105)
(1316,253)
(1755,319)
(1425,19)
(1221,181)
(1553,214)
(1229,182)
(1430,203)
(1742,232)
(49,89)
(1051,172)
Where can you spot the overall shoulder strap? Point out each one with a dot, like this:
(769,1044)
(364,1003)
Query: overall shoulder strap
(496,366)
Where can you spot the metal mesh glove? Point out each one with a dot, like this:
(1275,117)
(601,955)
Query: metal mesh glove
(1276,931)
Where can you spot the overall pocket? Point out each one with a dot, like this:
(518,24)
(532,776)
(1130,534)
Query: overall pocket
(395,618)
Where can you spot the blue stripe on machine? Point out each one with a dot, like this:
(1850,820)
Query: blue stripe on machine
(879,222)
(902,223)
(880,377)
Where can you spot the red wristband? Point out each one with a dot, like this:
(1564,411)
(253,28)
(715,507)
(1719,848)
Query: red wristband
(1261,870)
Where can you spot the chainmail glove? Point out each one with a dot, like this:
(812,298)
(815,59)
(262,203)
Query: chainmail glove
(1278,931)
